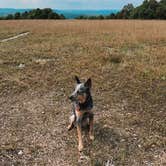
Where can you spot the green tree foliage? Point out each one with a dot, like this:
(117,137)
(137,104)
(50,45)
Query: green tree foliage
(146,11)
(100,17)
(16,15)
(126,11)
(46,13)
(10,17)
(149,9)
(161,10)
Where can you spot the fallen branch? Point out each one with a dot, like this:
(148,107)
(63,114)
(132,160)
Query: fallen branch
(15,37)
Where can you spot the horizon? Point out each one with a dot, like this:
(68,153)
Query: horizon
(68,13)
(68,4)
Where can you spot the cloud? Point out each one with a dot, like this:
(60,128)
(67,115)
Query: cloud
(67,4)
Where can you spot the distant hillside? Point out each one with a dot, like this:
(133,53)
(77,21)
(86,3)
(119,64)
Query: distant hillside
(69,14)
(6,11)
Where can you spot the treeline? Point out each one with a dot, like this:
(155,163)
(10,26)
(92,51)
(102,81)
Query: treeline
(149,9)
(46,13)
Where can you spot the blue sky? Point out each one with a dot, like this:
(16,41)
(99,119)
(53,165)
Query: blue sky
(68,4)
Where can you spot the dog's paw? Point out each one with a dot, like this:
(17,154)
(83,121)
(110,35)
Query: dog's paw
(70,127)
(80,147)
(91,137)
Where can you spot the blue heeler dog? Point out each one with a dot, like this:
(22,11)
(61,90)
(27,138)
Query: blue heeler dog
(82,109)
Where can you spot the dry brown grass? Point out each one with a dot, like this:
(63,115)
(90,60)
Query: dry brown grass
(127,63)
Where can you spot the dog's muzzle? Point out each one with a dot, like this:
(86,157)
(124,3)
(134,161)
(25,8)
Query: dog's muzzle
(72,98)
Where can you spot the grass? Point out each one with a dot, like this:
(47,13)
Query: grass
(127,63)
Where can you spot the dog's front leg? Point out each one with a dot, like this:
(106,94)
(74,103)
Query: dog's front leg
(80,142)
(91,132)
(72,120)
(79,115)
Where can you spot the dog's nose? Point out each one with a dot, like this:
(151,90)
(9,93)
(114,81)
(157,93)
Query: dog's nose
(71,97)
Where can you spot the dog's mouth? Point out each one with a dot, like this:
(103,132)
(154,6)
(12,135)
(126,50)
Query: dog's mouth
(79,98)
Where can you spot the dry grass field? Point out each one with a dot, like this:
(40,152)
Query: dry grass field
(127,63)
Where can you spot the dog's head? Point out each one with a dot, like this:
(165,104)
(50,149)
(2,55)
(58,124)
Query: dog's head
(81,91)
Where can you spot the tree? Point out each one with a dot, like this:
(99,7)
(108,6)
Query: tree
(111,16)
(100,17)
(17,15)
(161,10)
(24,15)
(62,16)
(126,11)
(148,10)
(9,17)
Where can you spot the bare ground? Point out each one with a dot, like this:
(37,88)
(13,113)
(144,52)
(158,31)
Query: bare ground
(128,70)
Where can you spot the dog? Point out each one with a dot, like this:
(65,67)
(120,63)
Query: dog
(82,109)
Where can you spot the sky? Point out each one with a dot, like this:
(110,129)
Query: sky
(68,4)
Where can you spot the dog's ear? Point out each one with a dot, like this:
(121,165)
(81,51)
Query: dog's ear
(77,80)
(88,83)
